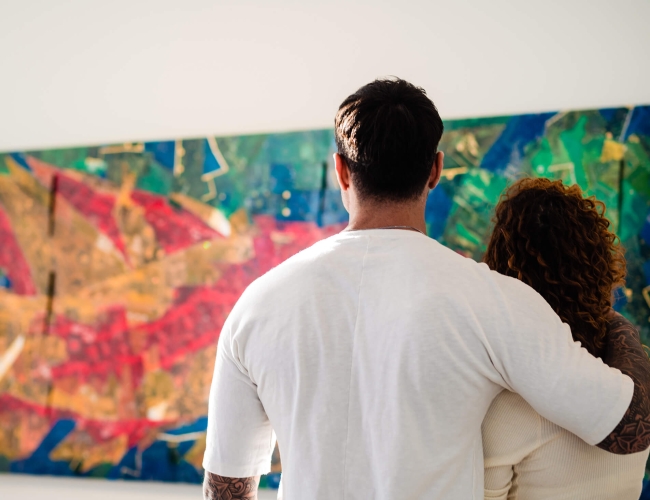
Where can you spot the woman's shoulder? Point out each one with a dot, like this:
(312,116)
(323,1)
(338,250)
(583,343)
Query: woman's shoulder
(616,320)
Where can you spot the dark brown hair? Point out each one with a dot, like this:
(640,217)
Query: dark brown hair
(552,238)
(388,132)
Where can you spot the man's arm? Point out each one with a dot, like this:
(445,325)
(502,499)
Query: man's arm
(535,356)
(625,352)
(239,437)
(229,488)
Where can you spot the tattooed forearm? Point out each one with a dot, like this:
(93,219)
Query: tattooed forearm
(229,488)
(625,352)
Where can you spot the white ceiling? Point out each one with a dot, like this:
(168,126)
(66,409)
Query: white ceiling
(79,72)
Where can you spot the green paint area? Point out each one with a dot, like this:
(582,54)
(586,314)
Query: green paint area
(469,221)
(155,179)
(3,166)
(72,158)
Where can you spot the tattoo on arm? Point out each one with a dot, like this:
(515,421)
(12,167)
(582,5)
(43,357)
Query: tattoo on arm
(229,488)
(625,352)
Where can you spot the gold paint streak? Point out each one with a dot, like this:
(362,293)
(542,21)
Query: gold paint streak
(450,173)
(122,148)
(612,151)
(11,354)
(81,450)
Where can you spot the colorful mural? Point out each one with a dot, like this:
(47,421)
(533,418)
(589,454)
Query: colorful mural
(119,264)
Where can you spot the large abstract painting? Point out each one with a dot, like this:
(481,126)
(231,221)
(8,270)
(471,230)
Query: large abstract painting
(119,264)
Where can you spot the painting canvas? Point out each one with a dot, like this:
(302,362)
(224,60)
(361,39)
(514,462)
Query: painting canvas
(119,264)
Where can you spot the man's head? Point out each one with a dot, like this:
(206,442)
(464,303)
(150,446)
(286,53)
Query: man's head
(387,134)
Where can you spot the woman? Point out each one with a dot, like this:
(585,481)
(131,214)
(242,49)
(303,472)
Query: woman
(558,242)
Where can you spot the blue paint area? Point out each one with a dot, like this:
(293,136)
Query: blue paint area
(620,299)
(437,211)
(303,206)
(128,461)
(210,163)
(200,425)
(39,462)
(609,114)
(519,132)
(639,123)
(645,230)
(5,282)
(646,271)
(333,210)
(273,480)
(21,160)
(164,152)
(162,462)
(282,178)
(645,493)
(309,205)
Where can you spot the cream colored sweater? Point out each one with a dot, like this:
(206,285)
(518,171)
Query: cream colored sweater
(529,458)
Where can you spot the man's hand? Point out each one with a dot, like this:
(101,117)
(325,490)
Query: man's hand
(229,488)
(625,352)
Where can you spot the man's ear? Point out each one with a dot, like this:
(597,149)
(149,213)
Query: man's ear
(436,170)
(342,172)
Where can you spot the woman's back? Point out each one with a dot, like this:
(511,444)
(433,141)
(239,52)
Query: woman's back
(552,238)
(529,458)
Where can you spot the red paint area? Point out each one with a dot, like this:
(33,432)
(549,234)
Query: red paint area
(104,350)
(192,323)
(96,350)
(280,240)
(99,430)
(12,260)
(175,228)
(96,207)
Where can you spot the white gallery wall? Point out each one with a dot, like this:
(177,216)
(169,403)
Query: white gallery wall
(76,72)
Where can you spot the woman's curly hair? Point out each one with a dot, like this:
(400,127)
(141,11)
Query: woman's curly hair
(552,238)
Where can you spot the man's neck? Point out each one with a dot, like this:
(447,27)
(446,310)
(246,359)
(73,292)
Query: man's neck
(379,215)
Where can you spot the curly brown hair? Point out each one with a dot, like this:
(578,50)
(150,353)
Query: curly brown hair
(555,240)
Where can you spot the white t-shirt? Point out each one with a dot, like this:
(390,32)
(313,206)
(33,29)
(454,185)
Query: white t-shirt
(375,355)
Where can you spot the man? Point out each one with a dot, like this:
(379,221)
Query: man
(375,354)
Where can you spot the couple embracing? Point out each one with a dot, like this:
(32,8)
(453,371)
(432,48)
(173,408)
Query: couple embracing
(390,367)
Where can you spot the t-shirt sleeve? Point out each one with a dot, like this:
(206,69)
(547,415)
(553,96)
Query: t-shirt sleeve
(240,439)
(536,357)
